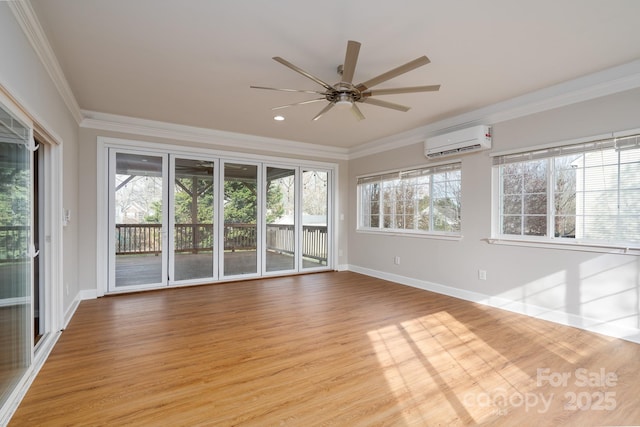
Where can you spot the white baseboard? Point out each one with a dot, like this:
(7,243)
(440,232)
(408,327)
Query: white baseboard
(563,318)
(86,294)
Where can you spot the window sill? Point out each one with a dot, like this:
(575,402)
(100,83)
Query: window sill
(396,233)
(563,245)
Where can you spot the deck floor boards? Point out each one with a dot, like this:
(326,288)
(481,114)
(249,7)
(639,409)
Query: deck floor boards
(134,270)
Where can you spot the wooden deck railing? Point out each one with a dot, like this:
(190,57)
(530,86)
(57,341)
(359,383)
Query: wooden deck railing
(194,238)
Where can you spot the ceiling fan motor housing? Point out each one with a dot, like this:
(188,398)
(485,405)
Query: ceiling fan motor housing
(343,94)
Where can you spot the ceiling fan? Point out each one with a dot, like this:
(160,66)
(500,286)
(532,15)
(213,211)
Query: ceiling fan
(345,94)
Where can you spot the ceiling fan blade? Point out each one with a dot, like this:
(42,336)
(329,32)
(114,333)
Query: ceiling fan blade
(299,103)
(356,111)
(287,90)
(419,62)
(393,91)
(385,104)
(324,110)
(350,60)
(303,72)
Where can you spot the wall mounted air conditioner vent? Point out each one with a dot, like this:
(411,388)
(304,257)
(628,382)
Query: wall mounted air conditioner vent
(459,142)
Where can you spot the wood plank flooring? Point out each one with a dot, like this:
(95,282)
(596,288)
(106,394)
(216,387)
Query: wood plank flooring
(333,348)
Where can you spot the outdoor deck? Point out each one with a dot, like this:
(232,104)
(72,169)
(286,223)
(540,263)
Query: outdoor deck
(139,248)
(144,269)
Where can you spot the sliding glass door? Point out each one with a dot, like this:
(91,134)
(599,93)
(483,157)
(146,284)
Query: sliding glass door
(16,253)
(192,220)
(315,219)
(182,218)
(280,219)
(138,212)
(240,210)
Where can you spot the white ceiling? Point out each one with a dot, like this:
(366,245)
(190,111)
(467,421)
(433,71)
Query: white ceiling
(191,62)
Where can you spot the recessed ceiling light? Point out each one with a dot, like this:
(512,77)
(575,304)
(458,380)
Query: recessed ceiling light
(278,118)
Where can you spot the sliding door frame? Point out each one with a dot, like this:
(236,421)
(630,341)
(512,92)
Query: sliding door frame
(181,151)
(51,273)
(172,219)
(331,237)
(296,228)
(165,232)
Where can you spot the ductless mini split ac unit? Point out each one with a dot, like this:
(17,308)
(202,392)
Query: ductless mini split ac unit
(458,142)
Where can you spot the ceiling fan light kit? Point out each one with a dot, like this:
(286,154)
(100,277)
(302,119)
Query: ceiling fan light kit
(344,94)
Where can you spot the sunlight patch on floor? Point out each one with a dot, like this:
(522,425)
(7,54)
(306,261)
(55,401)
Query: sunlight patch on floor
(435,364)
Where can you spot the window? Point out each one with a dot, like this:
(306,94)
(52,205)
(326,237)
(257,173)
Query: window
(424,200)
(583,193)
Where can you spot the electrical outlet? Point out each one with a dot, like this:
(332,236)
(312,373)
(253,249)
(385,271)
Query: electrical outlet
(396,260)
(482,274)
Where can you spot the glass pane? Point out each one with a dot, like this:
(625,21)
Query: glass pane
(240,219)
(600,178)
(38,215)
(281,219)
(600,158)
(630,202)
(15,265)
(630,156)
(565,203)
(365,205)
(138,219)
(535,203)
(511,184)
(629,228)
(447,203)
(193,216)
(512,205)
(409,221)
(535,225)
(599,203)
(512,169)
(423,196)
(565,174)
(315,209)
(631,175)
(423,220)
(601,227)
(512,225)
(565,226)
(535,176)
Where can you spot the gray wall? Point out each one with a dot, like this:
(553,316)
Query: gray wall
(596,290)
(24,77)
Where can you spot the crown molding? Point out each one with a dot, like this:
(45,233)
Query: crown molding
(608,82)
(172,131)
(26,17)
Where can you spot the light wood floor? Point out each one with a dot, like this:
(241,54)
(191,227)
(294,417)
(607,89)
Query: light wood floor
(324,349)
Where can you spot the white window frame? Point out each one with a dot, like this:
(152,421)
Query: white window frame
(550,241)
(432,234)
